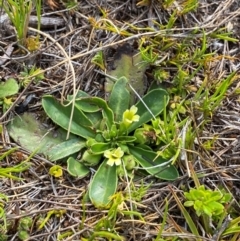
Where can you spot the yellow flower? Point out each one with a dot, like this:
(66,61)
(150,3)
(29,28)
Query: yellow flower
(56,171)
(114,156)
(129,116)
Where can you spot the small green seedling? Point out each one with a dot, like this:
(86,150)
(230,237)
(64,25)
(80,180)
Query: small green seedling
(7,89)
(70,4)
(3,222)
(99,60)
(42,222)
(24,226)
(28,74)
(208,204)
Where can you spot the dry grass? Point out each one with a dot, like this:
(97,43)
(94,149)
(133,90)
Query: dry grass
(65,58)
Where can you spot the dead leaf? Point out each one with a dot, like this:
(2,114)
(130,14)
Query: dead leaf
(53,4)
(128,63)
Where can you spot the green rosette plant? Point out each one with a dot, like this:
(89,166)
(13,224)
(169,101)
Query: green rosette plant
(106,139)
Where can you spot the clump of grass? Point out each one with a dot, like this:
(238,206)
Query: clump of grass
(19,12)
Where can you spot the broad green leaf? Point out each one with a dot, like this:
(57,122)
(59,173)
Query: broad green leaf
(99,148)
(80,94)
(66,149)
(84,106)
(76,169)
(28,132)
(61,116)
(103,185)
(91,111)
(8,88)
(96,118)
(106,111)
(66,110)
(148,159)
(156,100)
(119,98)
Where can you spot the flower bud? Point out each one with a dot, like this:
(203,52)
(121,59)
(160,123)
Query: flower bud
(90,159)
(99,138)
(113,132)
(142,138)
(25,223)
(129,162)
(90,142)
(120,171)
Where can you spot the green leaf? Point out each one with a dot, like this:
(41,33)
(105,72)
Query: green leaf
(76,169)
(95,117)
(188,203)
(61,116)
(103,185)
(147,160)
(216,207)
(66,149)
(156,100)
(145,147)
(99,148)
(91,111)
(119,98)
(106,111)
(84,106)
(233,227)
(80,94)
(8,88)
(7,153)
(125,139)
(31,134)
(7,171)
(207,210)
